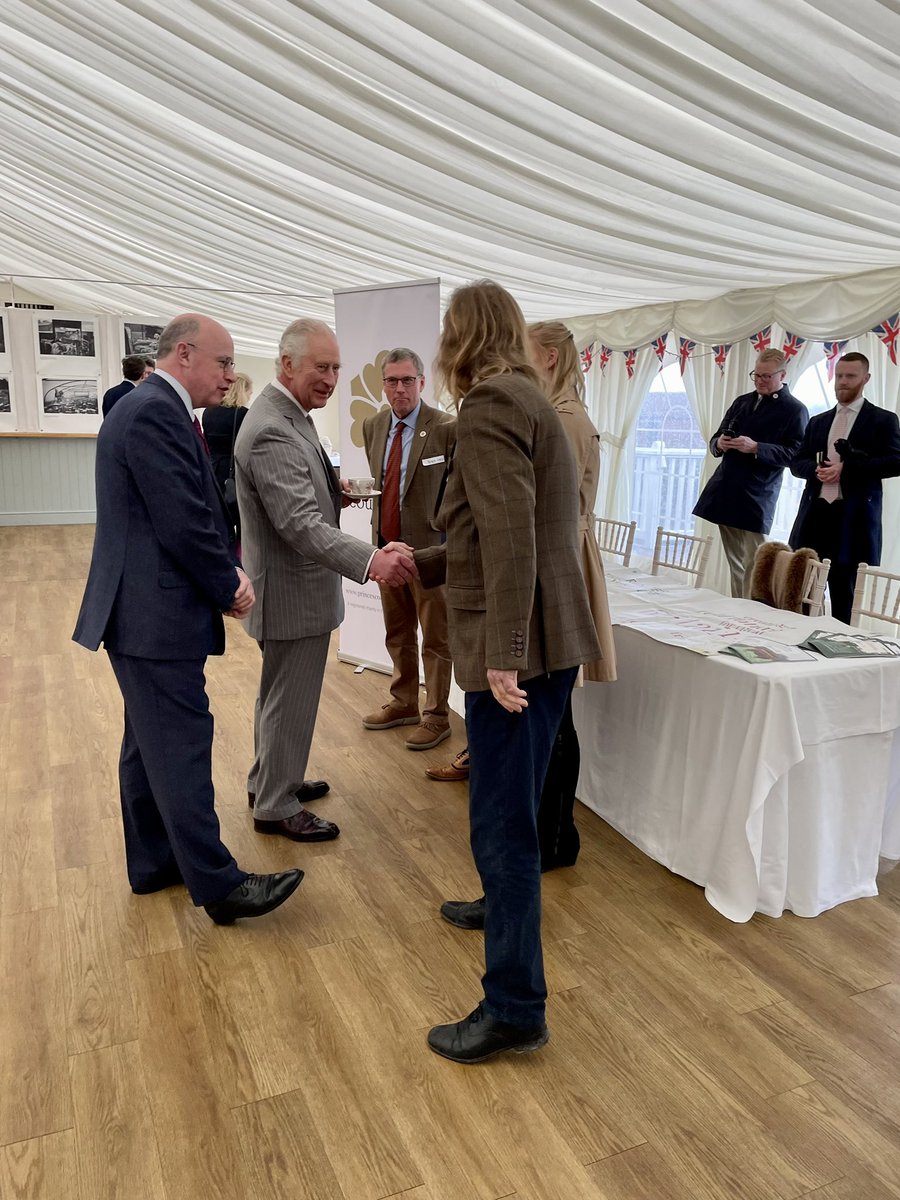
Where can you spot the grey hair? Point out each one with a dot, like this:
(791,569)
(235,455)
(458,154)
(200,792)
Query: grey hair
(176,331)
(295,339)
(401,354)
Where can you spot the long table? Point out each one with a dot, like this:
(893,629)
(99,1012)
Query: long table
(774,787)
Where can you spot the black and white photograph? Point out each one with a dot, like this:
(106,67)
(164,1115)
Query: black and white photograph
(5,401)
(2,336)
(142,339)
(69,397)
(66,336)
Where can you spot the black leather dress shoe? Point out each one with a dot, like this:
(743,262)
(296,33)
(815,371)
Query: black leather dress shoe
(467,914)
(480,1036)
(309,789)
(256,896)
(300,827)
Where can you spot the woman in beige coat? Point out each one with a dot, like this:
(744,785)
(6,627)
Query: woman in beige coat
(557,362)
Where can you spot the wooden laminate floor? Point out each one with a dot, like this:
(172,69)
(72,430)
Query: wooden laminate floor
(147,1054)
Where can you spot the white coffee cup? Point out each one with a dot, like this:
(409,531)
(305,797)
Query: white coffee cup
(362,487)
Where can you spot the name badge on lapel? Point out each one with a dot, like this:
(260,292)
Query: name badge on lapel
(433,462)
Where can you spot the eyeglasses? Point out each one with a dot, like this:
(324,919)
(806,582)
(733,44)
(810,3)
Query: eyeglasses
(763,376)
(406,380)
(227,364)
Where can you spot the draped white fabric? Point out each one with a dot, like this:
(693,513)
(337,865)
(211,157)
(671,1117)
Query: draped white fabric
(246,159)
(614,402)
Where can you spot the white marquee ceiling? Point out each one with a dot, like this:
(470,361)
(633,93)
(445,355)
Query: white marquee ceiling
(245,157)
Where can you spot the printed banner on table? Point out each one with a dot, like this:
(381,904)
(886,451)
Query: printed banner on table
(369,322)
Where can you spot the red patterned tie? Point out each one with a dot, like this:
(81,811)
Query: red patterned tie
(198,429)
(390,489)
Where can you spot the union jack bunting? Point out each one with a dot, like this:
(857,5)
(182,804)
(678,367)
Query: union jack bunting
(792,344)
(587,358)
(659,348)
(605,353)
(762,340)
(721,353)
(833,351)
(888,331)
(685,348)
(630,356)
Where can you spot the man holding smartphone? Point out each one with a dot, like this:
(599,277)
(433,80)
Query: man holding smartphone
(759,435)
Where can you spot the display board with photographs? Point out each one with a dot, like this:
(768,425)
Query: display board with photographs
(69,405)
(66,337)
(2,336)
(8,416)
(141,339)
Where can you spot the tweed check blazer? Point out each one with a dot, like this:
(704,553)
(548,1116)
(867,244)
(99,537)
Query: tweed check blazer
(516,596)
(432,444)
(290,503)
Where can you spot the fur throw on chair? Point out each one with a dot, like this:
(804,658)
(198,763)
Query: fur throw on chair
(779,574)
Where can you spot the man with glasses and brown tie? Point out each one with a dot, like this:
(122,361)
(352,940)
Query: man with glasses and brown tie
(408,444)
(845,454)
(757,439)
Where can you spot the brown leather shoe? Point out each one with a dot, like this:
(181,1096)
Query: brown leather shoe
(309,789)
(455,772)
(427,735)
(300,827)
(389,716)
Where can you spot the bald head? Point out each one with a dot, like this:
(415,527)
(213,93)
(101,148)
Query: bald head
(199,353)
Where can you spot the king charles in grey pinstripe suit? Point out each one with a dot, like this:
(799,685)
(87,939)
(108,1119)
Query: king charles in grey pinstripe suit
(290,500)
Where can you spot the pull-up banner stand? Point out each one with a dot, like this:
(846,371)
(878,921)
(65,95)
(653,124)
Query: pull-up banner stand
(370,322)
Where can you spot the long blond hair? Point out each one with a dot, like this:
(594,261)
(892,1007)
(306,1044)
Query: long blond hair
(483,335)
(567,372)
(238,395)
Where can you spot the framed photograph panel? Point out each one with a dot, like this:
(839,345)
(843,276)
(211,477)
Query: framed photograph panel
(138,338)
(4,344)
(69,404)
(60,336)
(9,422)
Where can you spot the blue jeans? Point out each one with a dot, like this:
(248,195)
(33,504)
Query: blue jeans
(508,757)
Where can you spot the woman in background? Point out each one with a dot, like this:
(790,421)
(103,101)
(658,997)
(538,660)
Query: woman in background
(220,428)
(559,366)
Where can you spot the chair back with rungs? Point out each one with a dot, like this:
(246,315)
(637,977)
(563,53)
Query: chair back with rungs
(616,537)
(681,552)
(877,595)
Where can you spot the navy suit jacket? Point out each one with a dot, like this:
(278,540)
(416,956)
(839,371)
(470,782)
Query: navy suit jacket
(744,490)
(875,455)
(116,393)
(163,567)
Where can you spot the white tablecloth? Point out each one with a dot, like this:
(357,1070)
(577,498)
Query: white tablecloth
(773,787)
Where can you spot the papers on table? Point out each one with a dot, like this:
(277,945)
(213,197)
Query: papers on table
(852,645)
(760,650)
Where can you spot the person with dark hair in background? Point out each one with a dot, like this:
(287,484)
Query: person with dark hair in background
(135,368)
(756,440)
(221,425)
(845,454)
(520,626)
(162,573)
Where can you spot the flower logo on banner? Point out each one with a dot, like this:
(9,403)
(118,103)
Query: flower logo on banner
(792,344)
(762,340)
(833,351)
(659,348)
(630,357)
(888,332)
(685,349)
(367,394)
(721,353)
(587,358)
(605,353)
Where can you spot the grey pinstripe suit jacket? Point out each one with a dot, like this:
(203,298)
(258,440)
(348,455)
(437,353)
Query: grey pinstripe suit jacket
(292,547)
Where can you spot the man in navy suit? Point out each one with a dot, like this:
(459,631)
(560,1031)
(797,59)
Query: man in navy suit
(136,368)
(756,440)
(845,454)
(162,574)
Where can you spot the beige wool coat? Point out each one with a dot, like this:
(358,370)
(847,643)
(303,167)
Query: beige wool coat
(585,442)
